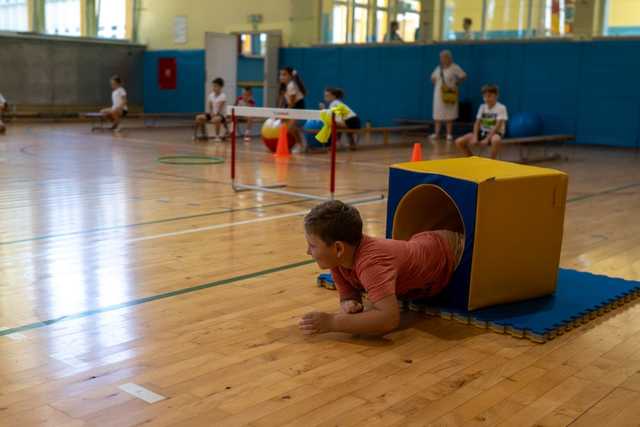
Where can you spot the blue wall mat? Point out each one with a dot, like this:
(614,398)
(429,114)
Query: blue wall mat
(188,97)
(250,69)
(623,31)
(589,89)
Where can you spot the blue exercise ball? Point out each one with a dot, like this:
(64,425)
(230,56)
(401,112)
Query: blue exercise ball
(311,129)
(524,124)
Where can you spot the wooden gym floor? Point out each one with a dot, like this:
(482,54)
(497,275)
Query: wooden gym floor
(105,251)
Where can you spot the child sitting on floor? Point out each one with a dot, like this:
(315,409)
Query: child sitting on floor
(119,107)
(384,269)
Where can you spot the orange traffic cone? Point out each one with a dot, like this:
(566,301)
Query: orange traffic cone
(416,155)
(283,143)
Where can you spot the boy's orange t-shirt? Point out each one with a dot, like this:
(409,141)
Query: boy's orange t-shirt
(419,267)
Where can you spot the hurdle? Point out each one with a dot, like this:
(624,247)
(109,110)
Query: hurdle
(286,114)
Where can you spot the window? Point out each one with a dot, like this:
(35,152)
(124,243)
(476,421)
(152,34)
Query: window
(360,22)
(622,18)
(62,17)
(552,18)
(454,15)
(506,19)
(14,15)
(112,18)
(253,44)
(339,23)
(381,23)
(408,17)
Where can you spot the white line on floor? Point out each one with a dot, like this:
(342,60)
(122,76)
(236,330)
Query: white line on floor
(232,224)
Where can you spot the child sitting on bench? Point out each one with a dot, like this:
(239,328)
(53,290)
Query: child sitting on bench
(386,270)
(216,107)
(490,124)
(246,100)
(333,96)
(119,107)
(3,108)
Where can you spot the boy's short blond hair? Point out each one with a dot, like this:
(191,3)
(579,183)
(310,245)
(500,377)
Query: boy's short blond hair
(335,221)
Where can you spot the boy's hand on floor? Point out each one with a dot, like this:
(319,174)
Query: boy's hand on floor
(315,322)
(351,306)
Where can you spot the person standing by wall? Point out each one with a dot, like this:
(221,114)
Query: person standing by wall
(466,26)
(446,78)
(393,35)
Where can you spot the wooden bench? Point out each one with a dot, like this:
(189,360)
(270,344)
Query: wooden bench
(367,131)
(525,143)
(150,119)
(460,127)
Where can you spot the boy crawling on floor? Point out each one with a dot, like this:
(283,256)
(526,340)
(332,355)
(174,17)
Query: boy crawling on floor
(386,270)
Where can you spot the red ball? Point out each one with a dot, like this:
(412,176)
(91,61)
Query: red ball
(272,143)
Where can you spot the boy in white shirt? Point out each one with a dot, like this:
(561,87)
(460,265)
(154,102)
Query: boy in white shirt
(490,124)
(3,108)
(119,108)
(216,105)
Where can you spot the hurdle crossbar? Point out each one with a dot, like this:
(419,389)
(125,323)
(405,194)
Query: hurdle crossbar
(287,114)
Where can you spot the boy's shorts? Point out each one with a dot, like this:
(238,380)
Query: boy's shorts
(484,134)
(222,117)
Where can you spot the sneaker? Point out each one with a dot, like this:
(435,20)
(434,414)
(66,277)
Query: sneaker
(449,138)
(117,128)
(217,139)
(247,139)
(434,137)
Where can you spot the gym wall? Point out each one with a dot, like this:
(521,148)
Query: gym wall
(66,74)
(588,89)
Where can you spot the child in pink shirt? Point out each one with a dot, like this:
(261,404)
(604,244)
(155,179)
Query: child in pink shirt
(384,269)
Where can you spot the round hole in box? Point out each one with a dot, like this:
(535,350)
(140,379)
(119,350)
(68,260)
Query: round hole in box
(424,208)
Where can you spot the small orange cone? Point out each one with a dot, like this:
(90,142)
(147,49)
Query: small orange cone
(416,155)
(283,143)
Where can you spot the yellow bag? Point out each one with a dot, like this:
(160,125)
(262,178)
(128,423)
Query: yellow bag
(449,94)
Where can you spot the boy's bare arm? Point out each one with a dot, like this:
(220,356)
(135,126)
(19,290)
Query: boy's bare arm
(383,317)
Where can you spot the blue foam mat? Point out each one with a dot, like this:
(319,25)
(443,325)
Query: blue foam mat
(579,297)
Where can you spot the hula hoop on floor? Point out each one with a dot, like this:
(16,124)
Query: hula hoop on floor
(190,160)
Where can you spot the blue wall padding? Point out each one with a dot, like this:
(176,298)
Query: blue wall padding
(188,97)
(456,295)
(589,89)
(189,94)
(250,69)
